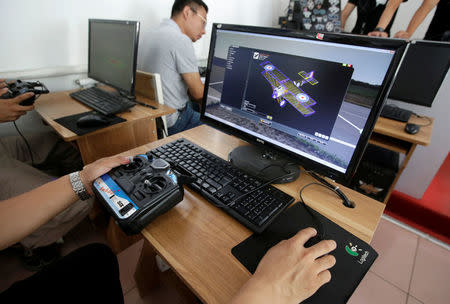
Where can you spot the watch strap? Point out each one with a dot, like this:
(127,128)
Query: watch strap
(379,29)
(78,186)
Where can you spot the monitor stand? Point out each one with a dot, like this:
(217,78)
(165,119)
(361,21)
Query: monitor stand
(264,163)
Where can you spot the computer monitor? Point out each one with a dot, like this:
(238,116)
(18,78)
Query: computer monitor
(113,46)
(421,72)
(313,97)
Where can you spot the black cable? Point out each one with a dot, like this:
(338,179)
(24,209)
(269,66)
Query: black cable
(319,226)
(145,105)
(26,142)
(345,201)
(423,117)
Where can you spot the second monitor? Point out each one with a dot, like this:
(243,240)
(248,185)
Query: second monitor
(113,46)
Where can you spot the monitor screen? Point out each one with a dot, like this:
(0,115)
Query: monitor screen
(421,72)
(113,46)
(315,97)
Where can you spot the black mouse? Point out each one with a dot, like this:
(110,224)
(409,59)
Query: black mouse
(92,120)
(314,240)
(412,128)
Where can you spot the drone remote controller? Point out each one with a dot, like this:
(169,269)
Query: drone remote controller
(138,192)
(21,87)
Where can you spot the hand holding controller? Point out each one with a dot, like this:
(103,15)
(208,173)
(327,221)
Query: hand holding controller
(10,108)
(22,87)
(138,192)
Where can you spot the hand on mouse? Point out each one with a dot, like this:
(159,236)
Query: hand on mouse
(289,272)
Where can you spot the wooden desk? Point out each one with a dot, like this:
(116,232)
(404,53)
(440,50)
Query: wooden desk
(390,134)
(138,129)
(195,238)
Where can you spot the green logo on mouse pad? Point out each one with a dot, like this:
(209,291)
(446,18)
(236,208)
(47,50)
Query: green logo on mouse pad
(352,250)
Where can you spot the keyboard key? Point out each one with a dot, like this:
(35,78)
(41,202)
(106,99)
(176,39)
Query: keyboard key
(223,184)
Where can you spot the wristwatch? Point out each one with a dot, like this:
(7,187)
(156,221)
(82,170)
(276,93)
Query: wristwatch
(78,186)
(379,29)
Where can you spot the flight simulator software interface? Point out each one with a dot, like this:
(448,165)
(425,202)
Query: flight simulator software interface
(310,97)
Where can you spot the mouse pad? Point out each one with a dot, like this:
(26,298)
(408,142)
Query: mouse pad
(353,256)
(70,122)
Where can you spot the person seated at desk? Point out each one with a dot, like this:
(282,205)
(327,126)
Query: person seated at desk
(19,173)
(375,17)
(288,273)
(170,53)
(89,274)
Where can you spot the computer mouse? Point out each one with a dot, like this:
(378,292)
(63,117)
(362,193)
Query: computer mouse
(92,120)
(412,128)
(314,240)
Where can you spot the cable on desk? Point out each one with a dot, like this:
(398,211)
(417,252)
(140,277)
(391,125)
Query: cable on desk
(145,105)
(423,117)
(319,226)
(345,201)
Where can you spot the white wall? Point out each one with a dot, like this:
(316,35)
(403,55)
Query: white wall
(51,33)
(426,160)
(47,40)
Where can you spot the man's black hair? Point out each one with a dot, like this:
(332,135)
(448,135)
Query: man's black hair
(178,5)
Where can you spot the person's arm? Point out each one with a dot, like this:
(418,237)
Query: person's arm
(348,9)
(23,214)
(10,110)
(289,272)
(417,19)
(195,85)
(385,19)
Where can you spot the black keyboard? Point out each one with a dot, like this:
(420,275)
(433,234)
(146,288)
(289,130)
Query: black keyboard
(396,113)
(103,102)
(244,197)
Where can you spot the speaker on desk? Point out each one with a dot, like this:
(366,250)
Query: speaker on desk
(376,172)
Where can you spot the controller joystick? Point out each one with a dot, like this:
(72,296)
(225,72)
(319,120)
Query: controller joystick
(149,156)
(154,185)
(138,192)
(135,164)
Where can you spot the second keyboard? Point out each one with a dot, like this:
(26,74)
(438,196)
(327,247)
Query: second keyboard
(103,102)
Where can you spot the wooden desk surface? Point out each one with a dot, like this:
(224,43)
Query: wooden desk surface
(196,238)
(396,129)
(59,104)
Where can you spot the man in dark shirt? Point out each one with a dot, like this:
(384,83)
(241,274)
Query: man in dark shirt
(439,28)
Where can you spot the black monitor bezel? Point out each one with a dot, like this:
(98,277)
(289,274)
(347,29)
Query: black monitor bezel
(127,91)
(396,45)
(396,95)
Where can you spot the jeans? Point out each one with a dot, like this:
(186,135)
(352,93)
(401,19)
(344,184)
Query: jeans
(188,118)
